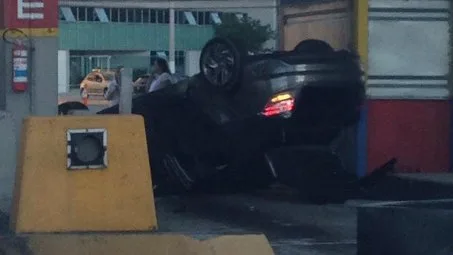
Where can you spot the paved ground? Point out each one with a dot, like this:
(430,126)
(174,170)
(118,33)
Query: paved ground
(292,228)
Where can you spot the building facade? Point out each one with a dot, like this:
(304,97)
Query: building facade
(107,34)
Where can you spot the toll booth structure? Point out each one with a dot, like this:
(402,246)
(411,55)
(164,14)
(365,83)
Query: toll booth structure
(405,49)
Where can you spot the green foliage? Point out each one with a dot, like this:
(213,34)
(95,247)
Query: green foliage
(247,31)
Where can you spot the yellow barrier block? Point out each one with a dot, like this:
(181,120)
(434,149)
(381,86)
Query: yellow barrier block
(144,244)
(50,198)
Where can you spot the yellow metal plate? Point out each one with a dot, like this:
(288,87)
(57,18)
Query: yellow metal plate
(50,198)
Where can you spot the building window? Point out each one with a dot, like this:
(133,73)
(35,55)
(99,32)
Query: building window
(189,18)
(66,14)
(60,15)
(203,18)
(82,14)
(138,15)
(163,16)
(130,16)
(101,15)
(152,16)
(122,15)
(91,15)
(146,16)
(114,15)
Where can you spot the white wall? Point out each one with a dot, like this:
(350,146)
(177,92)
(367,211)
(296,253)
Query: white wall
(63,71)
(192,62)
(409,50)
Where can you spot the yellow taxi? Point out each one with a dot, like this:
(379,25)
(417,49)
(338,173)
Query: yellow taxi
(96,82)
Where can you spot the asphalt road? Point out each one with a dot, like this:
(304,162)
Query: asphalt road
(292,228)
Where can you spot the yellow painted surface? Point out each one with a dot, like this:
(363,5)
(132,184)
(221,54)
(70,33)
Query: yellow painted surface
(50,198)
(361,29)
(34,32)
(131,244)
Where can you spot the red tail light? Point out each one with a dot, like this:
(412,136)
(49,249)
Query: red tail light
(279,104)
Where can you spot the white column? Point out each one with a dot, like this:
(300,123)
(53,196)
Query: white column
(125,104)
(192,62)
(171,37)
(63,71)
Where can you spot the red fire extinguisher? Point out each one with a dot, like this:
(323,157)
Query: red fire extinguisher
(20,67)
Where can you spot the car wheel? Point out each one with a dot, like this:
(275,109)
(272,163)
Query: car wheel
(313,46)
(67,107)
(221,63)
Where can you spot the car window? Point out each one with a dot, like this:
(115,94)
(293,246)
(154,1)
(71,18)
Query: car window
(98,78)
(91,77)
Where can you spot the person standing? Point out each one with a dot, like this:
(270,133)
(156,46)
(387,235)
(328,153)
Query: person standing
(113,90)
(162,75)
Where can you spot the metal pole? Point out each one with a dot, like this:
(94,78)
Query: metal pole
(171,37)
(125,104)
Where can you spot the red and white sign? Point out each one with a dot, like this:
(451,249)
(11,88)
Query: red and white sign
(30,13)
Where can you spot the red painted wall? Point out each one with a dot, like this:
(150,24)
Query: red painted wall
(416,132)
(49,11)
(2,15)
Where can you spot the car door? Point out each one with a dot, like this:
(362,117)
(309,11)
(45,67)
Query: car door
(89,83)
(98,87)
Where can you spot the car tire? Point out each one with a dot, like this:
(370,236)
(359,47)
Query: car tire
(67,107)
(313,46)
(214,76)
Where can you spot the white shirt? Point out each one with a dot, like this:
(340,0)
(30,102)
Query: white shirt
(113,92)
(160,82)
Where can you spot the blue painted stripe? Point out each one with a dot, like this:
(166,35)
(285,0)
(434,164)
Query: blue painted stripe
(451,135)
(20,73)
(361,139)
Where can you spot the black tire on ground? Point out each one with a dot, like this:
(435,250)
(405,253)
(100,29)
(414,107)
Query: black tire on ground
(236,52)
(313,46)
(65,108)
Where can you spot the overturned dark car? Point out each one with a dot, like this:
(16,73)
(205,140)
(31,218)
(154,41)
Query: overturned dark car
(242,120)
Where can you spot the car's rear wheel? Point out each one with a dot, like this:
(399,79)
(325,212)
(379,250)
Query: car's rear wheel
(313,46)
(68,107)
(221,63)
